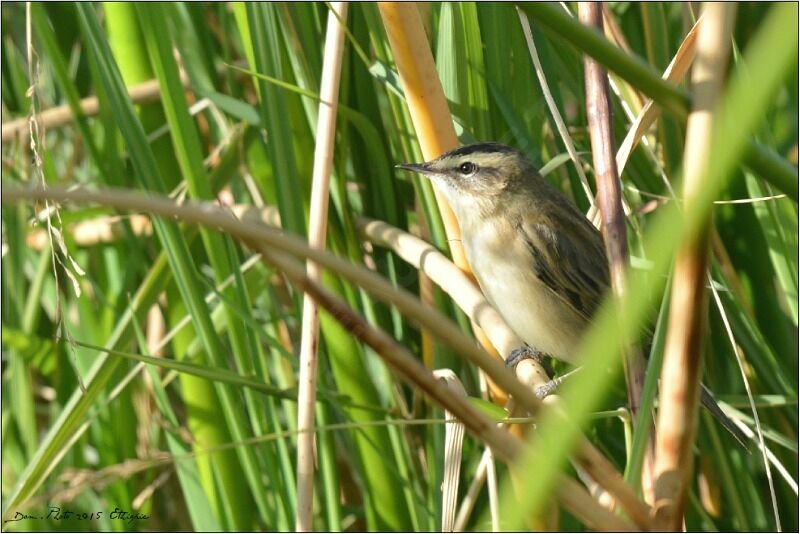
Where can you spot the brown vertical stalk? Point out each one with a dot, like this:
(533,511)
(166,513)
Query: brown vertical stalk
(680,375)
(609,193)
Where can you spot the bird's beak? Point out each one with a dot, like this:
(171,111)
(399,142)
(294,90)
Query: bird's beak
(421,168)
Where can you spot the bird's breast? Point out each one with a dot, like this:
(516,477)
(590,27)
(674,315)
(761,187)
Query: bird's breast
(505,271)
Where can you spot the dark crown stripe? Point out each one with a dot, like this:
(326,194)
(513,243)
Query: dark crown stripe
(483,148)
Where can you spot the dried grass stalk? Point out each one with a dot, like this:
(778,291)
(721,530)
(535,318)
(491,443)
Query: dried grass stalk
(680,374)
(318,225)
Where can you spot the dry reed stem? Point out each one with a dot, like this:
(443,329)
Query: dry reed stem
(425,98)
(598,109)
(430,115)
(483,473)
(675,72)
(318,224)
(453,448)
(446,275)
(426,258)
(143,93)
(571,495)
(680,374)
(215,217)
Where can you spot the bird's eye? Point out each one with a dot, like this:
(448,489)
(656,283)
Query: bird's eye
(467,168)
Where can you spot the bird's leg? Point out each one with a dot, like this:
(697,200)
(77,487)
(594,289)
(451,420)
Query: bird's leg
(517,355)
(525,352)
(550,387)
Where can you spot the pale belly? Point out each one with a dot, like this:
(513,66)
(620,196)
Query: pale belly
(539,318)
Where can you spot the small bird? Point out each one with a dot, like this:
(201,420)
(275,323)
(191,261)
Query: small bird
(537,258)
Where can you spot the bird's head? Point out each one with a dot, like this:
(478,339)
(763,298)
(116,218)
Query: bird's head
(476,173)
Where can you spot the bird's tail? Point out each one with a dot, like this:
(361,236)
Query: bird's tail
(707,400)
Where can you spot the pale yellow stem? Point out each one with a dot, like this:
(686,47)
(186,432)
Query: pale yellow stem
(681,371)
(426,101)
(318,224)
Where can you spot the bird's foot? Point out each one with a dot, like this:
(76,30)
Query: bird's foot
(547,388)
(550,387)
(525,352)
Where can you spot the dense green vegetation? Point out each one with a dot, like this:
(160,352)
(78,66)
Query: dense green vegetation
(202,436)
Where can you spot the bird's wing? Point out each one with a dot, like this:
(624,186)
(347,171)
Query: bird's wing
(568,257)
